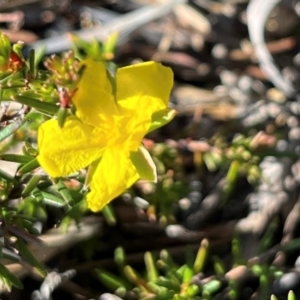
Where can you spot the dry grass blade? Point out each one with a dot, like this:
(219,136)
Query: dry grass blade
(56,242)
(124,25)
(257,14)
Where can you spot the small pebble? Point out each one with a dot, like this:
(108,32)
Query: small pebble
(38,226)
(290,183)
(297,8)
(140,202)
(297,262)
(245,83)
(295,107)
(220,51)
(282,145)
(228,78)
(175,231)
(108,296)
(296,60)
(220,91)
(294,134)
(292,121)
(195,197)
(273,110)
(276,95)
(195,185)
(126,197)
(239,96)
(287,282)
(184,204)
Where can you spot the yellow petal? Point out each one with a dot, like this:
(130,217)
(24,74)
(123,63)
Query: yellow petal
(114,174)
(63,151)
(144,164)
(93,99)
(145,79)
(142,90)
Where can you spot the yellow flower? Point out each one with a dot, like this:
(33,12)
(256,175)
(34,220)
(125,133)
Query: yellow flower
(112,117)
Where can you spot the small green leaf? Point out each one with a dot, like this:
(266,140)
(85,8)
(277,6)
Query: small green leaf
(109,45)
(236,250)
(18,158)
(27,255)
(73,214)
(46,107)
(53,200)
(169,283)
(29,150)
(193,290)
(201,257)
(61,115)
(32,67)
(144,164)
(10,129)
(291,295)
(161,118)
(10,278)
(64,192)
(233,171)
(187,274)
(120,256)
(152,272)
(179,272)
(257,270)
(91,171)
(30,166)
(133,276)
(95,50)
(167,259)
(212,287)
(110,280)
(18,48)
(219,266)
(32,184)
(109,215)
(5,49)
(39,55)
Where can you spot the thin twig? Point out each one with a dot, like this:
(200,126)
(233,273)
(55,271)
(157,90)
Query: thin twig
(124,25)
(257,14)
